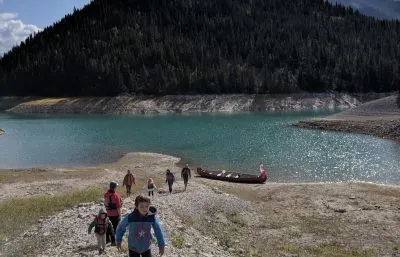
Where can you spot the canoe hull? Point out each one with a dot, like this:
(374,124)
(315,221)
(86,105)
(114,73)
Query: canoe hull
(231,177)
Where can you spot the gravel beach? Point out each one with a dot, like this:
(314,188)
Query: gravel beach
(214,218)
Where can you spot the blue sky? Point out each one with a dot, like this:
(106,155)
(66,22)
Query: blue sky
(20,18)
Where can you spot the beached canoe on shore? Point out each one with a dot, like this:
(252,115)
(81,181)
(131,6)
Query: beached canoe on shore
(234,176)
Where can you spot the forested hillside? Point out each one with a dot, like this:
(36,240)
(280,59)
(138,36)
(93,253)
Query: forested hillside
(162,47)
(383,9)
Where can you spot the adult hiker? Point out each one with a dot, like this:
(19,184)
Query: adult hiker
(170,178)
(185,174)
(129,180)
(113,204)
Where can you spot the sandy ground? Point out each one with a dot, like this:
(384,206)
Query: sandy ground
(225,219)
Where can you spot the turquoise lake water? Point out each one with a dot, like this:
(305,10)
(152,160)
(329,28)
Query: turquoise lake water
(215,141)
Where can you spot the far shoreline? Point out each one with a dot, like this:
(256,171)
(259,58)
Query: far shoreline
(379,118)
(144,104)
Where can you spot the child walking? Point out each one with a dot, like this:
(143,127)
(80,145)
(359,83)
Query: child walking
(101,223)
(170,178)
(139,223)
(151,187)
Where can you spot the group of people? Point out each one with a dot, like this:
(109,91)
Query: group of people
(130,180)
(109,228)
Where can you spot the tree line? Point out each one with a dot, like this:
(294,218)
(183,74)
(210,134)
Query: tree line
(112,47)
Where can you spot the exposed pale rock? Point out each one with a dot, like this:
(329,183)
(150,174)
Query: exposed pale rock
(187,103)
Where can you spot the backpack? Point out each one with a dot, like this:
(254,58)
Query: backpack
(111,205)
(170,177)
(101,225)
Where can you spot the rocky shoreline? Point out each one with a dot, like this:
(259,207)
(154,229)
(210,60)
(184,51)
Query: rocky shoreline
(214,218)
(385,129)
(379,118)
(184,103)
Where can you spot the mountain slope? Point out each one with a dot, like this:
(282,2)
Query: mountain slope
(228,46)
(383,9)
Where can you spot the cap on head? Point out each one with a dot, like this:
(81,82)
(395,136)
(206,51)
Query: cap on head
(186,165)
(113,185)
(101,211)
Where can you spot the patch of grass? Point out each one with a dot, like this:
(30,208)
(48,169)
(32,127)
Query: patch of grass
(380,190)
(274,224)
(16,215)
(335,250)
(237,219)
(178,241)
(35,174)
(295,234)
(325,250)
(320,225)
(225,240)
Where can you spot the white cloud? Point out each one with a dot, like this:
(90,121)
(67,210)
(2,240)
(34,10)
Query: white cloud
(13,31)
(7,16)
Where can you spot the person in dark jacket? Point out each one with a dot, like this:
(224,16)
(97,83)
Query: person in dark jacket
(170,178)
(185,174)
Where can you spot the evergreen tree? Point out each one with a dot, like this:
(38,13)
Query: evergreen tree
(197,47)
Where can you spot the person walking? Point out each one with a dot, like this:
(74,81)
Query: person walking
(139,223)
(185,174)
(101,224)
(113,204)
(129,180)
(151,186)
(170,178)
